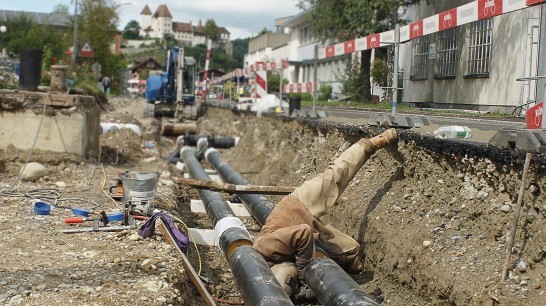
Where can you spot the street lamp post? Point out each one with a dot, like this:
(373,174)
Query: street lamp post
(75,44)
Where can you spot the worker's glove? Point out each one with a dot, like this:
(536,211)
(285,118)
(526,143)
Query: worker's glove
(304,292)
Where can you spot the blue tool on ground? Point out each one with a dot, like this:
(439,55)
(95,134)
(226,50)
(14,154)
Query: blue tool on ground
(41,208)
(80,212)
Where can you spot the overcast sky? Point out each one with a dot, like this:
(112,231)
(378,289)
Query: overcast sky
(242,18)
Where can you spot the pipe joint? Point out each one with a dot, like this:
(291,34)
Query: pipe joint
(209,151)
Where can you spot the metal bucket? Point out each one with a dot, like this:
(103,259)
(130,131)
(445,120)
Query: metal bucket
(139,191)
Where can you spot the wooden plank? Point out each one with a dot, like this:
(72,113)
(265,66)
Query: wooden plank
(202,236)
(232,188)
(192,274)
(238,209)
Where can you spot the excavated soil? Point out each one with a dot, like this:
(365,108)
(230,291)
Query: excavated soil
(432,216)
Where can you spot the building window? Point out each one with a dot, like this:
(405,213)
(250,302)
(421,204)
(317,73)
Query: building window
(447,52)
(419,65)
(479,49)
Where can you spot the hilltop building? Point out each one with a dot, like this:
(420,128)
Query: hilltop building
(159,23)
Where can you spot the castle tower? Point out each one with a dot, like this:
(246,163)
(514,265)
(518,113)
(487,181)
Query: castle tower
(145,21)
(163,21)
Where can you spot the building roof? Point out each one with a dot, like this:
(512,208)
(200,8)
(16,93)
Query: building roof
(143,62)
(163,11)
(146,10)
(58,20)
(223,30)
(148,29)
(182,27)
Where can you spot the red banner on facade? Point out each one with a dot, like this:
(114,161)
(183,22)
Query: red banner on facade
(447,19)
(534,2)
(373,41)
(309,87)
(534,117)
(349,46)
(416,29)
(489,8)
(330,51)
(299,87)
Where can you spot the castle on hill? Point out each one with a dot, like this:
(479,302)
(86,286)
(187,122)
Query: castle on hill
(161,22)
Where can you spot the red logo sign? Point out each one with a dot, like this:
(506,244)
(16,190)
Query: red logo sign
(416,29)
(330,51)
(285,64)
(373,41)
(447,19)
(309,87)
(489,8)
(273,66)
(533,2)
(534,117)
(291,88)
(349,46)
(299,87)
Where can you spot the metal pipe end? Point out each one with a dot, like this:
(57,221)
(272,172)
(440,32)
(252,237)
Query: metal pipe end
(209,150)
(180,140)
(185,148)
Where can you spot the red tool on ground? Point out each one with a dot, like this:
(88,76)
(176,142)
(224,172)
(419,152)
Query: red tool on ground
(75,220)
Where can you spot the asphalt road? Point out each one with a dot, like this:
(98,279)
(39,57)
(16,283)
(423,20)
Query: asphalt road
(483,128)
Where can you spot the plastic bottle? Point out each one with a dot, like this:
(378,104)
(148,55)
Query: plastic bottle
(451,132)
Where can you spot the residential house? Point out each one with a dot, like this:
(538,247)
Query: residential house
(142,67)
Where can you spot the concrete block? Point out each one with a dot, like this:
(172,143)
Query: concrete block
(523,139)
(75,130)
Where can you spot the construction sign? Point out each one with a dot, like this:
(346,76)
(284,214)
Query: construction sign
(86,50)
(534,116)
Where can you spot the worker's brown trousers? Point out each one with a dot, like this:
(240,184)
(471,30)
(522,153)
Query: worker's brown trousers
(321,193)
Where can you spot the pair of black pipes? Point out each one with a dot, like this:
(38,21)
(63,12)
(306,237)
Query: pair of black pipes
(257,283)
(329,282)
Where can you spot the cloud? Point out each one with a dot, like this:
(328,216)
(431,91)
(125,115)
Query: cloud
(241,17)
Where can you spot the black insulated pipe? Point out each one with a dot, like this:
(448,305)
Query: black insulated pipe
(214,142)
(257,283)
(339,290)
(330,283)
(258,206)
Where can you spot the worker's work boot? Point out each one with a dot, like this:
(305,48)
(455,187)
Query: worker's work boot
(384,139)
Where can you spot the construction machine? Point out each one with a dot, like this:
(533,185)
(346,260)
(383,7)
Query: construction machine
(173,90)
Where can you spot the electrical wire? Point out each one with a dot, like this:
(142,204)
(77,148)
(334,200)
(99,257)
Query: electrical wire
(227,302)
(48,100)
(191,238)
(104,184)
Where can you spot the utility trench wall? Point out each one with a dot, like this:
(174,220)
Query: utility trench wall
(432,217)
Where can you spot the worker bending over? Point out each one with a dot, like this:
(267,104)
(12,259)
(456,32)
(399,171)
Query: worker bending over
(293,230)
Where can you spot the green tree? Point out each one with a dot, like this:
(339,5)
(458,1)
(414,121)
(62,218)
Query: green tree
(99,21)
(341,20)
(24,33)
(264,31)
(211,30)
(131,30)
(61,9)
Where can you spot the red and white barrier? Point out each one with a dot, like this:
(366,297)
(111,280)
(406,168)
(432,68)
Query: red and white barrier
(259,66)
(474,11)
(299,88)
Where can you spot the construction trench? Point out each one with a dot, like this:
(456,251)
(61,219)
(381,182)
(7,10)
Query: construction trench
(432,216)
